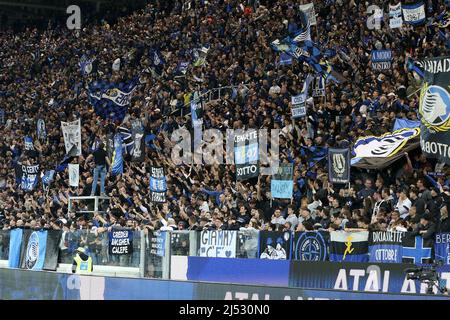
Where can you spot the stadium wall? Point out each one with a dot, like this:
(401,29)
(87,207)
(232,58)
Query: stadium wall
(24,284)
(350,276)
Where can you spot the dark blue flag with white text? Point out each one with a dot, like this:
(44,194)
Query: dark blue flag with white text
(339,165)
(29,177)
(117,158)
(311,246)
(120,242)
(385,246)
(442,248)
(158,185)
(381,59)
(39,249)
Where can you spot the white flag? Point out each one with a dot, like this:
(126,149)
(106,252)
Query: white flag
(310,12)
(395,16)
(72,135)
(414,13)
(74,174)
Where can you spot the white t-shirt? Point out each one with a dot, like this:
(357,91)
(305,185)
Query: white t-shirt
(279,220)
(403,206)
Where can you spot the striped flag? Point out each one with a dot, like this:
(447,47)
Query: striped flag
(117,159)
(305,32)
(349,246)
(127,136)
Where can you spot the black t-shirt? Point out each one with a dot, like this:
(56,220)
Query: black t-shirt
(242,220)
(100,157)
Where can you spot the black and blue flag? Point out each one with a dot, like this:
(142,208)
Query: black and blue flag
(111,100)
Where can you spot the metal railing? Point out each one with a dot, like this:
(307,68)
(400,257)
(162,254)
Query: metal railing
(211,95)
(94,204)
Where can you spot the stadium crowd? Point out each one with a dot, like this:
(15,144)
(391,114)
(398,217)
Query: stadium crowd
(40,78)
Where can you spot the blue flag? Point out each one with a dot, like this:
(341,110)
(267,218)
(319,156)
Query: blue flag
(285,59)
(33,249)
(314,154)
(117,160)
(15,242)
(111,100)
(28,142)
(405,123)
(47,178)
(385,246)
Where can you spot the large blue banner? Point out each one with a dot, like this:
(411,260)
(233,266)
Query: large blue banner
(366,277)
(250,271)
(34,247)
(442,247)
(385,246)
(26,285)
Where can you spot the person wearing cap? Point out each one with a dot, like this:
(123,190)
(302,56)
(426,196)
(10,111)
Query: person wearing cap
(426,228)
(82,262)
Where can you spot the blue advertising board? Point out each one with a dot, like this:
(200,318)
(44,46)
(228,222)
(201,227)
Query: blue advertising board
(245,271)
(42,285)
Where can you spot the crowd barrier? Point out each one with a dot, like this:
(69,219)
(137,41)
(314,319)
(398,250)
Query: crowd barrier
(350,276)
(249,257)
(43,285)
(133,248)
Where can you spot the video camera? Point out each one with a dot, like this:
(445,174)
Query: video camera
(427,275)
